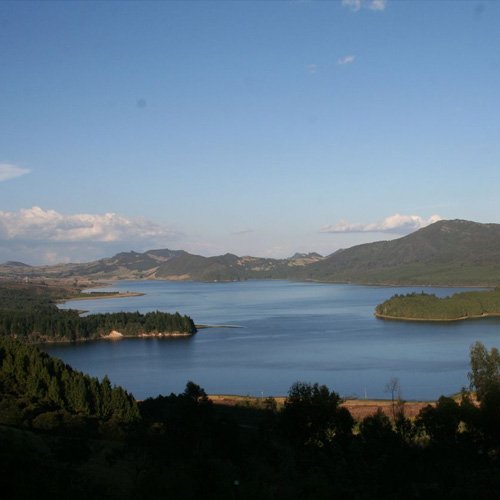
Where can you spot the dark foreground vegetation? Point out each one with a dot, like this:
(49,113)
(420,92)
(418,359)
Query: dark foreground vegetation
(67,435)
(30,313)
(424,306)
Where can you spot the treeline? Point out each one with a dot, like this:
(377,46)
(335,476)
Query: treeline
(31,314)
(15,296)
(182,446)
(424,306)
(61,325)
(42,392)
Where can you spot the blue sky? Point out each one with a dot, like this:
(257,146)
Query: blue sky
(259,128)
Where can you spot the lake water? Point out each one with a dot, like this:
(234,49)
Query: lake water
(288,331)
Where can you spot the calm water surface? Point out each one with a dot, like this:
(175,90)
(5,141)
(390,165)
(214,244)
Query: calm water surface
(288,331)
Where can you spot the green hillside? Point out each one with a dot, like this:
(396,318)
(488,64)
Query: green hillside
(453,252)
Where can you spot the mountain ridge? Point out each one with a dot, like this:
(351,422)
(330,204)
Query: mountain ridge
(448,252)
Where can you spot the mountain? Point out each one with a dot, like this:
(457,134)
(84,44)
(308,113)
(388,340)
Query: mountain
(169,265)
(230,267)
(448,252)
(301,259)
(13,263)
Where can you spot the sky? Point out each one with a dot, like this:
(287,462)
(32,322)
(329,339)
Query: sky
(256,128)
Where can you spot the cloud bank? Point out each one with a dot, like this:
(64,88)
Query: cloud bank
(9,171)
(398,224)
(36,224)
(47,236)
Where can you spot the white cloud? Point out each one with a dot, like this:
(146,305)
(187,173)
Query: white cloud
(356,5)
(377,5)
(51,257)
(37,224)
(9,171)
(399,224)
(346,60)
(35,235)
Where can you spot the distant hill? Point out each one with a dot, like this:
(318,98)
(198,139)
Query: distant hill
(453,252)
(448,252)
(230,267)
(169,265)
(13,263)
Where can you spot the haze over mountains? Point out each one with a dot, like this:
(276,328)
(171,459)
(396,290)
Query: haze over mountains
(448,252)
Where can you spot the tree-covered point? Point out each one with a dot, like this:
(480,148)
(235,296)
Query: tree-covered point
(424,306)
(30,313)
(60,325)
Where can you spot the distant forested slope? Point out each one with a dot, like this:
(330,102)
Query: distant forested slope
(454,252)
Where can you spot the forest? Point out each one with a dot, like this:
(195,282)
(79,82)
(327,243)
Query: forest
(424,306)
(31,314)
(76,437)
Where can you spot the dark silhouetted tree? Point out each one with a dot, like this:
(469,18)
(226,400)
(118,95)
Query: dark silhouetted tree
(312,415)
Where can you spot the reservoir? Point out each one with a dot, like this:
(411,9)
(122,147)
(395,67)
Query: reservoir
(281,332)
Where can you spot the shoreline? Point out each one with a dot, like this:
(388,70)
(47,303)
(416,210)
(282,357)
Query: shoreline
(359,408)
(205,327)
(294,280)
(115,336)
(388,285)
(436,320)
(108,295)
(111,281)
